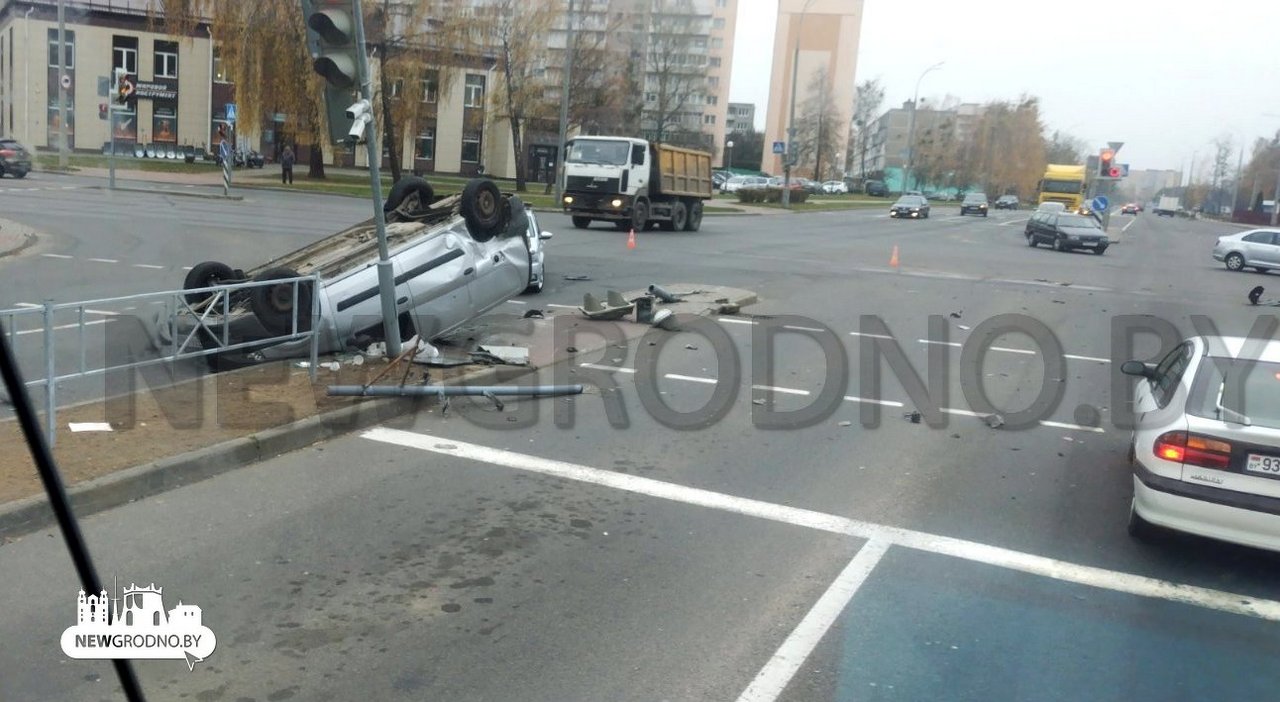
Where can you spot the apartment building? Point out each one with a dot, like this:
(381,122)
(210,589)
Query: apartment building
(741,118)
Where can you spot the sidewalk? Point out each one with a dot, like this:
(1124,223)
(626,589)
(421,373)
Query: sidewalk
(15,237)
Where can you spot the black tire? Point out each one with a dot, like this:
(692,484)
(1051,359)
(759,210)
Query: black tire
(273,304)
(984,214)
(19,174)
(203,275)
(1057,244)
(694,223)
(1235,262)
(482,208)
(679,216)
(406,186)
(639,215)
(1031,241)
(1100,250)
(581,222)
(1139,528)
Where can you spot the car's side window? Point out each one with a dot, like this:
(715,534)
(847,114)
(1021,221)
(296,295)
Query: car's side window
(1260,238)
(1169,373)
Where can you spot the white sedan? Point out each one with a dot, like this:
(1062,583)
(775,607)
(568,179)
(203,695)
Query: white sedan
(835,187)
(1206,450)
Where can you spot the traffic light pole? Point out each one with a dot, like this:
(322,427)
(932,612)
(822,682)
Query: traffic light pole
(386,274)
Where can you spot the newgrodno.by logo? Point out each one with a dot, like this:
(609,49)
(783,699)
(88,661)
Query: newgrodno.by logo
(139,628)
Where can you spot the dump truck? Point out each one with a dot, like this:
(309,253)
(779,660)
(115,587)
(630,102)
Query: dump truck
(1065,184)
(635,184)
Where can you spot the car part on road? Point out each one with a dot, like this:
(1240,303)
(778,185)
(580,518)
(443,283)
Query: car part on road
(206,275)
(665,319)
(575,277)
(663,295)
(483,209)
(274,305)
(615,307)
(406,186)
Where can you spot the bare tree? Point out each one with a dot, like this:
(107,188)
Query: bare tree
(674,67)
(1065,149)
(867,99)
(817,127)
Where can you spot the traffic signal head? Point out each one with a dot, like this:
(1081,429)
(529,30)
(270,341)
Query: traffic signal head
(332,39)
(1107,164)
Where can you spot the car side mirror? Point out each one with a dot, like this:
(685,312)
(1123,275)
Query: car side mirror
(545,235)
(1137,368)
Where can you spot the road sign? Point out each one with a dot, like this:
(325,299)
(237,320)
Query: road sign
(779,147)
(231,112)
(1124,170)
(1100,203)
(1115,145)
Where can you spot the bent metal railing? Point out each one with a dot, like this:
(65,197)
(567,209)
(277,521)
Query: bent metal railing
(204,338)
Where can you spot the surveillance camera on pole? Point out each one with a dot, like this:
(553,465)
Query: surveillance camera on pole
(360,114)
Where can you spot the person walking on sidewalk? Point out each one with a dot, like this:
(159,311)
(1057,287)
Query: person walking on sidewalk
(286,166)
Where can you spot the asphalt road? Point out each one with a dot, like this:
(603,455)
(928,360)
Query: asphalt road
(564,550)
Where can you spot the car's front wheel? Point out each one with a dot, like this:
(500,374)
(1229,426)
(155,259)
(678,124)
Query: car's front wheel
(1235,262)
(1100,250)
(581,222)
(1031,240)
(1057,244)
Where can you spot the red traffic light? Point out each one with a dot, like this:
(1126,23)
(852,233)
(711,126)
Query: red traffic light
(1114,172)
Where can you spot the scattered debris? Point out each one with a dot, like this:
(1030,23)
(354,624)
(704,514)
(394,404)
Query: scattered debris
(665,319)
(534,314)
(956,315)
(728,309)
(572,349)
(510,355)
(1256,294)
(89,426)
(663,295)
(577,277)
(615,306)
(691,347)
(845,423)
(757,402)
(963,327)
(913,417)
(994,421)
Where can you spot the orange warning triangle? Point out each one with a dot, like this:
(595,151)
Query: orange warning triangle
(631,239)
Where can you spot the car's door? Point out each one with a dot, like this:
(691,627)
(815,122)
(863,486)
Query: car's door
(1264,249)
(501,265)
(437,275)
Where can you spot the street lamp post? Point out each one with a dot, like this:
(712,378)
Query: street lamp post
(911,128)
(728,154)
(789,158)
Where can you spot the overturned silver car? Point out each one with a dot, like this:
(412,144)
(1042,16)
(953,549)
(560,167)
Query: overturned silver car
(454,259)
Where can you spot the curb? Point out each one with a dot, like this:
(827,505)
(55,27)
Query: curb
(205,196)
(122,487)
(28,240)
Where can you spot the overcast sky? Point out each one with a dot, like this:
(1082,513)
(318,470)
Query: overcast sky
(1165,78)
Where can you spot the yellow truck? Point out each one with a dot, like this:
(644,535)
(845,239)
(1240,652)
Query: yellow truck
(1065,184)
(635,184)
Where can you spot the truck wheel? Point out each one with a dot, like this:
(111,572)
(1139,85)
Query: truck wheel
(273,305)
(482,209)
(694,223)
(639,215)
(581,222)
(406,186)
(679,216)
(204,275)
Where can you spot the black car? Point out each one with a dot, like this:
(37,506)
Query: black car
(910,207)
(1007,202)
(15,160)
(876,188)
(1065,232)
(974,203)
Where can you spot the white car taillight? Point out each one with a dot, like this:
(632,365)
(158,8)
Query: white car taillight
(1193,449)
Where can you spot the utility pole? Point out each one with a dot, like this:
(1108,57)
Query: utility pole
(1275,202)
(911,127)
(1235,189)
(564,103)
(62,85)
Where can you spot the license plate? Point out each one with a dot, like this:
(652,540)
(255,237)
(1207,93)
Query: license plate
(1089,244)
(1266,465)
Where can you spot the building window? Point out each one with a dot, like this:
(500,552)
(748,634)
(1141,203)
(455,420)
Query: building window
(471,147)
(219,72)
(425,144)
(166,59)
(474,95)
(713,81)
(714,62)
(397,87)
(124,54)
(431,87)
(717,23)
(713,100)
(708,119)
(70,49)
(717,43)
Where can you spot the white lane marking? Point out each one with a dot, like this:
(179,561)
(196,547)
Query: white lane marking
(873,336)
(959,412)
(954,344)
(509,302)
(1123,229)
(69,187)
(1073,286)
(103,260)
(789,326)
(1066,425)
(597,366)
(1070,355)
(886,403)
(1006,349)
(186,268)
(27,305)
(1014,221)
(148,265)
(48,255)
(566,307)
(64,326)
(691,378)
(771,388)
(733,320)
(786,661)
(1064,571)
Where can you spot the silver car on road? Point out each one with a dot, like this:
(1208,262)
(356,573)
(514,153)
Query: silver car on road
(1257,248)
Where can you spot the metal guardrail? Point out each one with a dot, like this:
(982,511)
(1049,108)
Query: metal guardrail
(178,346)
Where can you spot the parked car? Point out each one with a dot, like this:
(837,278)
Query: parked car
(535,238)
(813,187)
(910,207)
(1256,248)
(974,203)
(455,259)
(718,178)
(835,187)
(876,188)
(15,160)
(1206,451)
(1066,232)
(1007,202)
(733,184)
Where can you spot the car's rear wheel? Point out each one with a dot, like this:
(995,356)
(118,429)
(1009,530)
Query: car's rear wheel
(482,208)
(206,275)
(1057,244)
(1235,262)
(274,305)
(1031,240)
(410,185)
(581,222)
